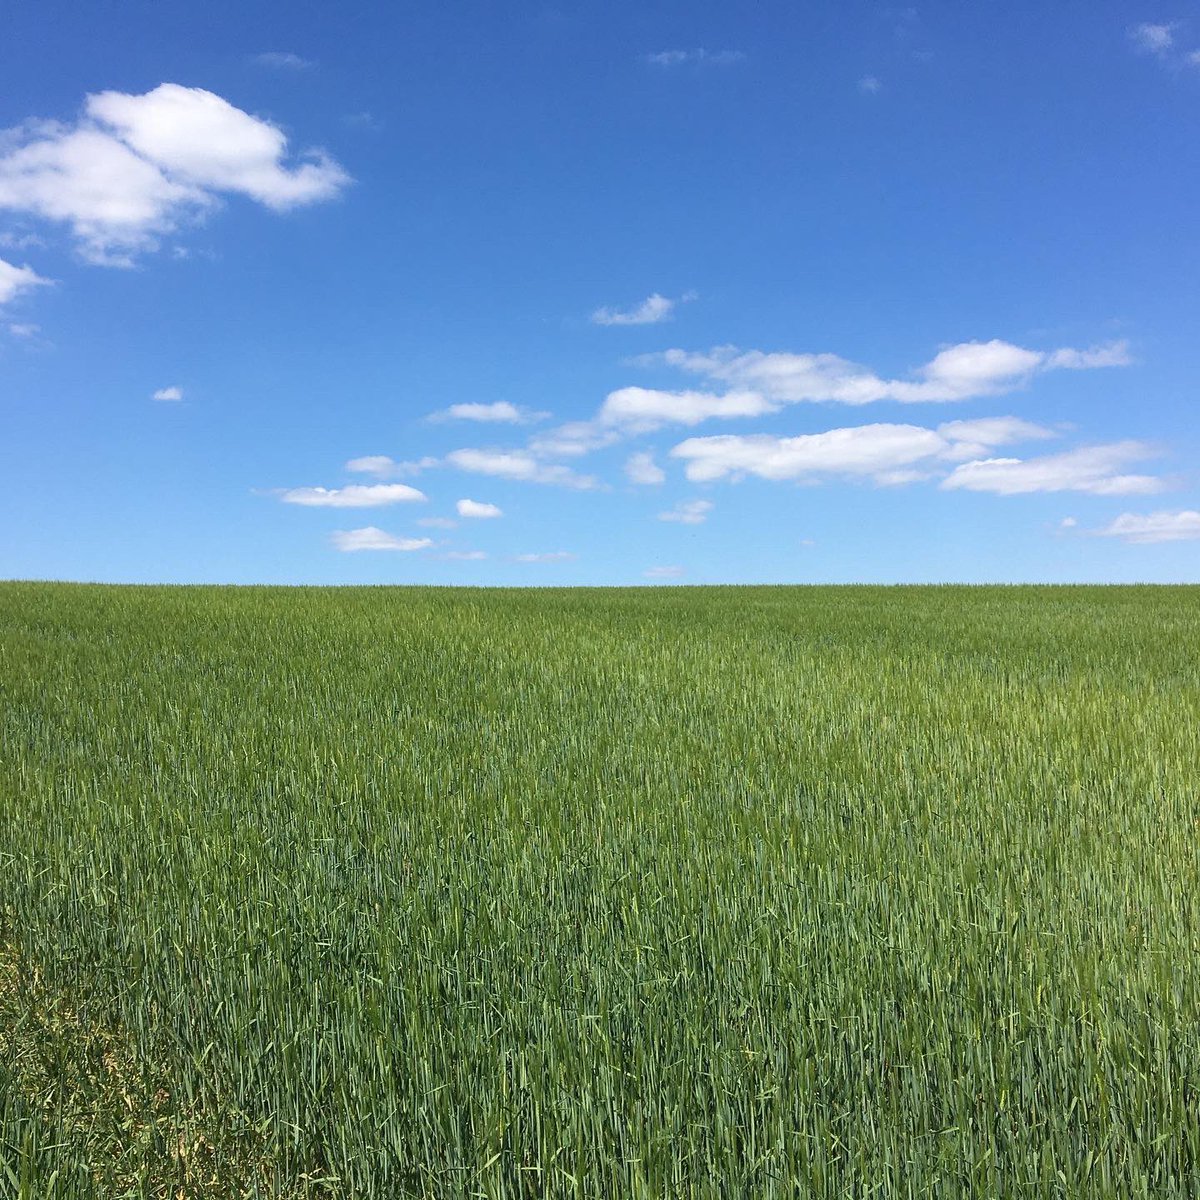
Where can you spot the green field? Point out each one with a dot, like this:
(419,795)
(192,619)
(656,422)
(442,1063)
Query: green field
(734,892)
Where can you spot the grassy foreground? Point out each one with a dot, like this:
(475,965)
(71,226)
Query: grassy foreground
(637,894)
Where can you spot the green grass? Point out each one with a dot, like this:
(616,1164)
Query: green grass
(765,892)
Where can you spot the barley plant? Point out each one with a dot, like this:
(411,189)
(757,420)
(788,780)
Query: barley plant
(653,893)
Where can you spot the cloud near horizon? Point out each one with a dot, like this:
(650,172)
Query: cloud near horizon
(372,538)
(1154,527)
(134,168)
(891,454)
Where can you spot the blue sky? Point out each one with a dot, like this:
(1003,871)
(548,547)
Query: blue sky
(599,293)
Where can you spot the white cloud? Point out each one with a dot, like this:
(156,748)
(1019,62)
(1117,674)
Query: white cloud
(24,330)
(865,451)
(1092,469)
(134,168)
(519,465)
(651,311)
(169,393)
(883,454)
(500,412)
(764,382)
(1068,523)
(972,439)
(1193,59)
(688,512)
(1113,354)
(371,538)
(465,555)
(478,509)
(572,439)
(14,280)
(640,409)
(641,468)
(869,85)
(663,573)
(383,467)
(355,495)
(549,557)
(1155,527)
(283,60)
(1153,39)
(697,57)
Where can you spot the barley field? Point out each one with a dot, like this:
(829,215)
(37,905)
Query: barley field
(648,893)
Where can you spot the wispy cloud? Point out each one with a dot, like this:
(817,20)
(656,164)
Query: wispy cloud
(520,465)
(641,468)
(383,467)
(651,311)
(551,556)
(498,412)
(478,509)
(688,512)
(283,60)
(664,572)
(869,85)
(438,523)
(1154,527)
(24,330)
(1153,39)
(1098,470)
(134,168)
(14,280)
(371,538)
(465,555)
(168,393)
(698,57)
(355,495)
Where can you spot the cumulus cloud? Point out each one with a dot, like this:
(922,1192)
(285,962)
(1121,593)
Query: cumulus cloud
(688,512)
(1155,527)
(883,454)
(1097,470)
(764,382)
(640,409)
(371,538)
(283,60)
(521,465)
(551,556)
(665,572)
(168,393)
(1151,38)
(14,280)
(135,167)
(651,311)
(642,469)
(383,467)
(698,57)
(355,495)
(498,412)
(478,509)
